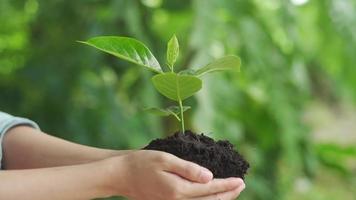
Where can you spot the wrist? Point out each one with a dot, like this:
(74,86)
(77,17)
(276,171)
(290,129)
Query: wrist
(101,154)
(113,173)
(113,153)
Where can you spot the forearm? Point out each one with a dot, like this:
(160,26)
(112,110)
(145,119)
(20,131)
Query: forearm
(26,148)
(68,182)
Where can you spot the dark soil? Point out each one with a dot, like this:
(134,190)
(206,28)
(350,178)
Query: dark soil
(219,157)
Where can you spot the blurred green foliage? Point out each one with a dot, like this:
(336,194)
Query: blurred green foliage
(293,53)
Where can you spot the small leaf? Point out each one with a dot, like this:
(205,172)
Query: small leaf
(158,111)
(225,63)
(162,112)
(176,110)
(187,72)
(172,51)
(126,48)
(176,87)
(172,110)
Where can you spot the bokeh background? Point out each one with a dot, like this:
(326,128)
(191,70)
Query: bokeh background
(291,111)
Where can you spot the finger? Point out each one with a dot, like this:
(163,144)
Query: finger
(188,170)
(229,195)
(213,187)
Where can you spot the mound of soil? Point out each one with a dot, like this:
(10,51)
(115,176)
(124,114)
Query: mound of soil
(219,157)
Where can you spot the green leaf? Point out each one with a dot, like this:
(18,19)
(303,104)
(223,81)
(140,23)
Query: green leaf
(225,63)
(175,86)
(187,72)
(126,48)
(158,111)
(172,51)
(172,110)
(176,110)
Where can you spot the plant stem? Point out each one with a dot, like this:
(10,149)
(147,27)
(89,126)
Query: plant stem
(181,115)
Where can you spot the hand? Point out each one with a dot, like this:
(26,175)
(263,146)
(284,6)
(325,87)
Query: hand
(155,175)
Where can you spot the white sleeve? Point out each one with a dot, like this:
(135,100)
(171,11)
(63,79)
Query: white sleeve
(7,122)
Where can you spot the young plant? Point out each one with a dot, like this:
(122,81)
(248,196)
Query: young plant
(176,86)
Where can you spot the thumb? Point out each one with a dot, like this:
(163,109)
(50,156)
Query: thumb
(189,170)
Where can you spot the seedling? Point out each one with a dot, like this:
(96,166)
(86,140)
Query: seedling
(176,86)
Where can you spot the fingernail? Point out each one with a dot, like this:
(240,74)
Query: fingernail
(242,188)
(206,175)
(237,182)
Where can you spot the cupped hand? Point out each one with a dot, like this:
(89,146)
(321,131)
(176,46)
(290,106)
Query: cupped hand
(156,175)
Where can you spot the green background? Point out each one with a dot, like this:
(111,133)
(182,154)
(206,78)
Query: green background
(291,111)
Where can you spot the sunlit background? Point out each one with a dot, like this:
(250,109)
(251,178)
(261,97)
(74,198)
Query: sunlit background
(291,111)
